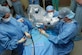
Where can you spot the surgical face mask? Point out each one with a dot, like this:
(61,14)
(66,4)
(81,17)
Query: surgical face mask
(6,20)
(50,14)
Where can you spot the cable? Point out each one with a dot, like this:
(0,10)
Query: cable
(33,49)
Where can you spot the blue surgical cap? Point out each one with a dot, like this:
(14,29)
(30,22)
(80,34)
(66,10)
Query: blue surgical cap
(1,14)
(66,12)
(49,8)
(3,11)
(71,15)
(6,9)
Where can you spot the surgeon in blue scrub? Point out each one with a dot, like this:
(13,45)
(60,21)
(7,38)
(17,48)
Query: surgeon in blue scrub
(76,6)
(18,7)
(66,30)
(51,12)
(12,32)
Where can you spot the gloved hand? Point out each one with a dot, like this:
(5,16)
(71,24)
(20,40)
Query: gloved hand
(20,20)
(22,40)
(43,32)
(27,34)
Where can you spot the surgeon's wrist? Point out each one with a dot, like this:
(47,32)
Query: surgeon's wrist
(27,35)
(46,35)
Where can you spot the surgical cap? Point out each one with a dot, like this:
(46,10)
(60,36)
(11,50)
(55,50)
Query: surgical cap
(66,12)
(6,9)
(71,15)
(3,11)
(49,8)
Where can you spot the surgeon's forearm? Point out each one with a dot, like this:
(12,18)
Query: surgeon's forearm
(43,32)
(22,40)
(46,35)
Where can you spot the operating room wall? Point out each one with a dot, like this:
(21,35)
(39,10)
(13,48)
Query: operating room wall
(64,2)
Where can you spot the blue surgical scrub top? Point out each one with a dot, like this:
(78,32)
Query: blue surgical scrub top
(10,33)
(66,32)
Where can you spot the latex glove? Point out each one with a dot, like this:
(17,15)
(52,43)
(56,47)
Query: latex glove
(27,34)
(20,20)
(22,40)
(43,32)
